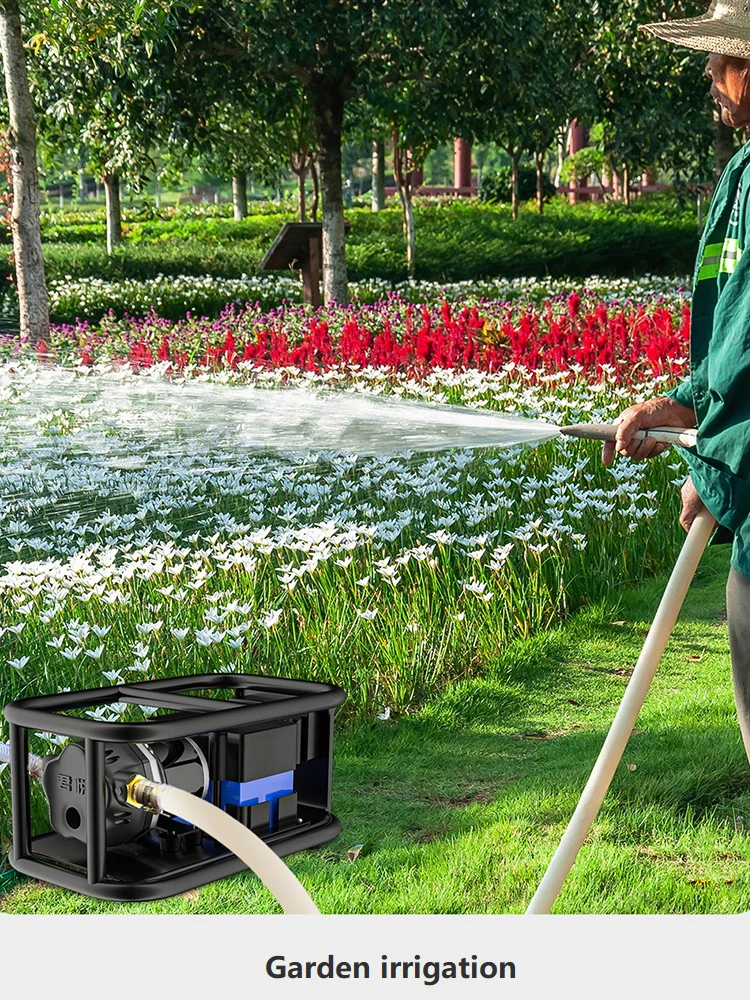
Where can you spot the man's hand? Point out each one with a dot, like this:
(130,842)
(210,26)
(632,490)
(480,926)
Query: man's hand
(692,504)
(658,412)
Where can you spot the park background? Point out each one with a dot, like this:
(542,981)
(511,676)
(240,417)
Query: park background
(525,185)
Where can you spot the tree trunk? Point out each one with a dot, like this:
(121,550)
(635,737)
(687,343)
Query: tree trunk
(625,184)
(378,176)
(299,164)
(114,215)
(411,241)
(316,190)
(82,189)
(24,217)
(514,188)
(404,176)
(723,144)
(301,206)
(239,194)
(157,195)
(328,113)
(562,147)
(539,163)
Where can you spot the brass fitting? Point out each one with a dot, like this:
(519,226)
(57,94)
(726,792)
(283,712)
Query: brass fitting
(143,794)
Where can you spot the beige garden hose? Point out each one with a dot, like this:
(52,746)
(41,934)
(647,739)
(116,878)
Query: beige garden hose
(627,715)
(221,827)
(686,437)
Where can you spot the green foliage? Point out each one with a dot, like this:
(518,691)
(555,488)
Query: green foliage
(585,163)
(652,97)
(460,240)
(496,185)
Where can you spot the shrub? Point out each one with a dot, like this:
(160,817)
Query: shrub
(459,240)
(497,185)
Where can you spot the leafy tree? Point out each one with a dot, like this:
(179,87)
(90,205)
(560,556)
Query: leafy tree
(537,86)
(107,96)
(651,97)
(337,52)
(239,145)
(84,27)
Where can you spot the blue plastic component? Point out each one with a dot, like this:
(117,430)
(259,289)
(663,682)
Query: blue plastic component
(249,793)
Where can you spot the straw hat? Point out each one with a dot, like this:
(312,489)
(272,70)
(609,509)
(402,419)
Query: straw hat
(724,28)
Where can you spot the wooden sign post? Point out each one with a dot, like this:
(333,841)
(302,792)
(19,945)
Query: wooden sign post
(298,247)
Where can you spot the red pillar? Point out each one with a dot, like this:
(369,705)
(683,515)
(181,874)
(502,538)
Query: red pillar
(649,178)
(462,164)
(577,141)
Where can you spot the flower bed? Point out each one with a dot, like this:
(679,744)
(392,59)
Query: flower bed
(570,332)
(390,576)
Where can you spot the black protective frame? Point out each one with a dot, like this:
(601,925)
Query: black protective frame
(257,699)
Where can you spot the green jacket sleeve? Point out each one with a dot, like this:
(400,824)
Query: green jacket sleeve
(720,377)
(682,393)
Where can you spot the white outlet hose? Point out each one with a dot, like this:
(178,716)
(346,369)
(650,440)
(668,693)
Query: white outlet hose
(220,826)
(35,764)
(627,715)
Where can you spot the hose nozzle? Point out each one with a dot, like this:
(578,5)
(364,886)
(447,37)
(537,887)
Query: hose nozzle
(684,436)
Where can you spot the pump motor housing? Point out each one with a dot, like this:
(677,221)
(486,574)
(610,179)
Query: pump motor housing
(258,747)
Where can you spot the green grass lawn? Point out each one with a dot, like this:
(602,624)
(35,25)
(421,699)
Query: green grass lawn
(461,805)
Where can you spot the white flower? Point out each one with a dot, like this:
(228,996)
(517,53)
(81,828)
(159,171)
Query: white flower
(442,537)
(113,676)
(385,715)
(214,616)
(140,649)
(53,738)
(368,615)
(101,630)
(98,713)
(478,588)
(179,633)
(95,654)
(500,556)
(146,628)
(538,549)
(18,664)
(207,637)
(71,652)
(271,618)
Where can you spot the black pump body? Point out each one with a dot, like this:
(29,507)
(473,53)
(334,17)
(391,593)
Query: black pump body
(258,747)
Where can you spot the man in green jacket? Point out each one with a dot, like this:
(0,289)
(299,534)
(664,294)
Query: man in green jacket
(716,398)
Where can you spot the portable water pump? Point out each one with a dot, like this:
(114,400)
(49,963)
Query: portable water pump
(258,748)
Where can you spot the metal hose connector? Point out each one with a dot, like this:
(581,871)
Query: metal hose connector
(144,794)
